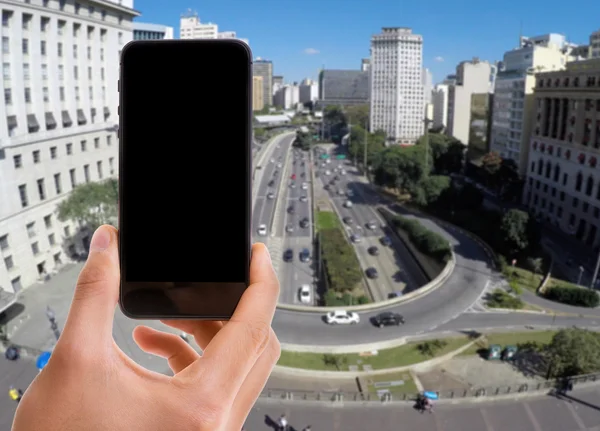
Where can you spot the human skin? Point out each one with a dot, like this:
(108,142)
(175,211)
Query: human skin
(89,384)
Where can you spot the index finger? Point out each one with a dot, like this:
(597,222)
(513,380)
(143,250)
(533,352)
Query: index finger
(231,354)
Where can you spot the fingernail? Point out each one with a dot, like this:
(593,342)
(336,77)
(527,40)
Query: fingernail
(100,240)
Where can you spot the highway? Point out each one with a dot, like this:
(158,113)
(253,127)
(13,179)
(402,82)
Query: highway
(396,268)
(296,206)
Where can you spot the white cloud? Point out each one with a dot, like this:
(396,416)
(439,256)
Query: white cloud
(439,59)
(311,51)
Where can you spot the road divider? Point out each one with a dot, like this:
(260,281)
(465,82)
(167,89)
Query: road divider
(281,191)
(423,290)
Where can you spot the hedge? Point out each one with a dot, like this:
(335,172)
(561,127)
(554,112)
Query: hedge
(573,296)
(430,243)
(339,259)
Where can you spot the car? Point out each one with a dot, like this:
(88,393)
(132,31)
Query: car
(343,172)
(373,251)
(279,165)
(348,220)
(341,192)
(304,186)
(304,223)
(291,209)
(395,294)
(275,173)
(348,204)
(328,172)
(336,178)
(349,193)
(292,185)
(326,187)
(293,176)
(388,318)
(270,195)
(305,255)
(262,230)
(303,198)
(355,238)
(371,225)
(372,272)
(305,294)
(386,240)
(288,255)
(342,317)
(289,228)
(271,183)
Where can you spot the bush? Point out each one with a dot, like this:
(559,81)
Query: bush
(426,241)
(500,299)
(340,262)
(430,348)
(573,296)
(515,287)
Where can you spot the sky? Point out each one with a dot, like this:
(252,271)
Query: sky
(303,36)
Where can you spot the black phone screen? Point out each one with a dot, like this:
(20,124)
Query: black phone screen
(184,180)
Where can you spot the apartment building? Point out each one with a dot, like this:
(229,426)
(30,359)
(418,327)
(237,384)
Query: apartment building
(257,93)
(343,87)
(59,124)
(472,77)
(439,99)
(264,68)
(594,46)
(190,27)
(563,173)
(396,85)
(309,91)
(287,97)
(146,31)
(513,95)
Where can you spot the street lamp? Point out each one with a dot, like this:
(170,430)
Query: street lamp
(581,269)
(593,282)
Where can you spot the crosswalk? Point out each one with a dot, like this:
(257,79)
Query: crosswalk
(479,306)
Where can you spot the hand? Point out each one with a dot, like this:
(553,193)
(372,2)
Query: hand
(89,384)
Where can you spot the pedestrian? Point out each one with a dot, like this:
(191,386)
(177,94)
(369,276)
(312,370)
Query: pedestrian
(283,423)
(15,394)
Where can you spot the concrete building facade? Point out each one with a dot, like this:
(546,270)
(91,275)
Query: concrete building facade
(59,125)
(343,87)
(472,77)
(396,85)
(257,93)
(513,95)
(264,68)
(563,169)
(190,27)
(145,31)
(439,99)
(309,91)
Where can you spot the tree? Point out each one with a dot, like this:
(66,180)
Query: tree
(572,352)
(358,114)
(334,115)
(401,168)
(375,144)
(431,189)
(514,229)
(535,264)
(491,163)
(91,204)
(303,140)
(263,111)
(259,132)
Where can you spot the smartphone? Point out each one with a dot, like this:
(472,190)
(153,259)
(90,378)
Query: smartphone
(184,178)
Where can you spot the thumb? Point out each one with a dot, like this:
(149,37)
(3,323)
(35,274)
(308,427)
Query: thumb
(90,319)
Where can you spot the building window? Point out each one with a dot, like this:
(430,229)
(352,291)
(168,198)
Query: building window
(31,230)
(8,262)
(4,242)
(108,141)
(96,143)
(57,184)
(48,221)
(59,50)
(69,147)
(578,181)
(589,187)
(51,239)
(25,46)
(67,231)
(35,248)
(53,152)
(18,161)
(36,156)
(43,47)
(28,95)
(41,189)
(73,179)
(7,96)
(556,172)
(83,146)
(111,162)
(99,166)
(86,173)
(16,284)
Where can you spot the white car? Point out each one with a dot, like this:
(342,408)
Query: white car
(279,165)
(262,230)
(327,172)
(372,225)
(303,199)
(304,186)
(271,196)
(355,238)
(342,317)
(348,204)
(305,294)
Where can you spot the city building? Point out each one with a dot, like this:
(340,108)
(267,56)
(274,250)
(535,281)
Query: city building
(309,91)
(472,77)
(563,169)
(513,94)
(145,31)
(343,87)
(365,63)
(479,124)
(277,80)
(439,98)
(396,82)
(287,97)
(258,102)
(60,64)
(190,27)
(594,46)
(264,68)
(427,86)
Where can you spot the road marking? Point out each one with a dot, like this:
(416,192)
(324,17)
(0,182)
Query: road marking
(531,416)
(575,415)
(486,420)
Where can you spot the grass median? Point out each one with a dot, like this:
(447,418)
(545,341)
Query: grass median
(327,220)
(408,354)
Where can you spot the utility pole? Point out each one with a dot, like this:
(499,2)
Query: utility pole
(365,148)
(593,282)
(426,138)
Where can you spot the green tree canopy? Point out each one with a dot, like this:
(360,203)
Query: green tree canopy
(375,144)
(402,168)
(92,204)
(448,153)
(431,189)
(514,229)
(358,114)
(574,351)
(334,115)
(491,163)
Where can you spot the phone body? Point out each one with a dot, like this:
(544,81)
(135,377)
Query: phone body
(185,132)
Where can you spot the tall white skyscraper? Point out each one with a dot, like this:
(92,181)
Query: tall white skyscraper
(58,124)
(397,105)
